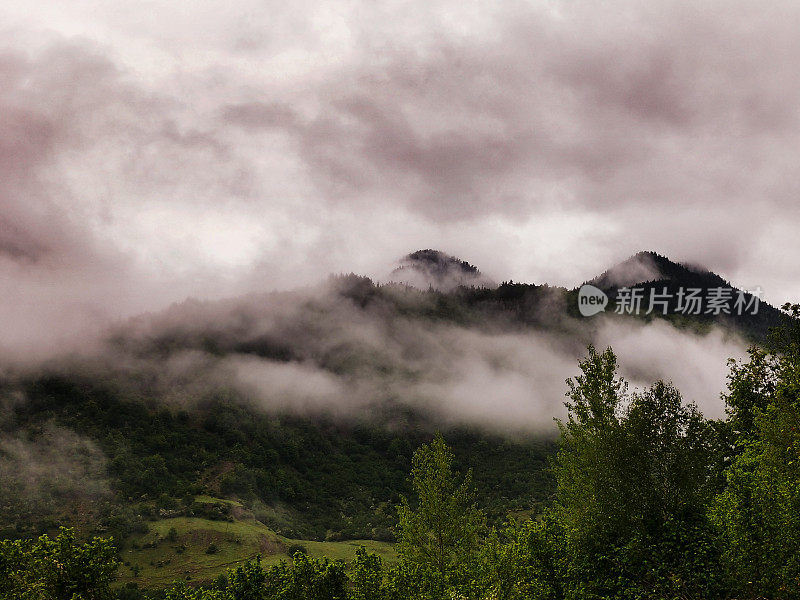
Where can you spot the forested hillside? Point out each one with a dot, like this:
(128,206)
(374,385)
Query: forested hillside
(312,478)
(295,415)
(652,500)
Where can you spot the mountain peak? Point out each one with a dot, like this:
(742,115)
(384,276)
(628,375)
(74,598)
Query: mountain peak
(437,269)
(648,266)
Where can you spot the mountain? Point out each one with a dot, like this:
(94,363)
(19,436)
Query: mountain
(304,406)
(645,267)
(435,269)
(655,274)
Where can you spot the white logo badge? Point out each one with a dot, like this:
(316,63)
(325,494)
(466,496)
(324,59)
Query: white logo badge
(591,300)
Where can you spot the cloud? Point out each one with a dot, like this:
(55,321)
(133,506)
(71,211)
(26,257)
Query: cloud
(232,148)
(351,351)
(696,364)
(50,470)
(288,386)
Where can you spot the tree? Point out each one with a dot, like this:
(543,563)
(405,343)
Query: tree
(54,569)
(367,577)
(438,537)
(247,581)
(306,579)
(634,476)
(524,561)
(180,591)
(758,513)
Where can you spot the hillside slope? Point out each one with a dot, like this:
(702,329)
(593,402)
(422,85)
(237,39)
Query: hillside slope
(306,406)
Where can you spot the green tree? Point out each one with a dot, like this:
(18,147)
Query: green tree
(57,569)
(758,513)
(524,561)
(180,591)
(306,578)
(247,581)
(367,577)
(635,473)
(438,537)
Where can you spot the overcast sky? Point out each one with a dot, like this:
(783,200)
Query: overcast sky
(151,151)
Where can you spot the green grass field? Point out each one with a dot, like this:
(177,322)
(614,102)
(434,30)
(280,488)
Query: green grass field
(198,550)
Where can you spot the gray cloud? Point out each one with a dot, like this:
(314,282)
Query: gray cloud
(696,364)
(51,470)
(210,152)
(322,350)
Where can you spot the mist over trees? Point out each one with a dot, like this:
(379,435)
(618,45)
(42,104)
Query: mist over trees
(652,501)
(307,405)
